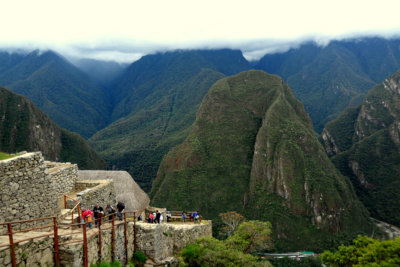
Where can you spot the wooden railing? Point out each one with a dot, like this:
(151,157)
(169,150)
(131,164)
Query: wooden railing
(12,233)
(76,207)
(177,216)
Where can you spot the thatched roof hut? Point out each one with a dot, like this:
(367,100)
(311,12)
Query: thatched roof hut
(126,189)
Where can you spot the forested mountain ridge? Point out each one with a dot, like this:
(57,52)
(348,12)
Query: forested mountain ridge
(330,78)
(25,127)
(60,89)
(158,98)
(252,149)
(364,143)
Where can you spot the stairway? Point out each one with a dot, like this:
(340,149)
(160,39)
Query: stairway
(66,218)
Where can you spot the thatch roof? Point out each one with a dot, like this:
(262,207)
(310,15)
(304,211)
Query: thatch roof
(126,189)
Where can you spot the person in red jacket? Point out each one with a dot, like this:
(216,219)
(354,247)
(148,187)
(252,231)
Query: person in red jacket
(87,217)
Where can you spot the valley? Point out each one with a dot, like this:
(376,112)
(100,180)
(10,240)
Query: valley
(314,150)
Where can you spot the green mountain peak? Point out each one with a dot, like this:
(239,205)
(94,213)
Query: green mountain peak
(252,149)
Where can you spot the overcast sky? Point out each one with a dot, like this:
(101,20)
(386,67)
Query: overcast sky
(124,30)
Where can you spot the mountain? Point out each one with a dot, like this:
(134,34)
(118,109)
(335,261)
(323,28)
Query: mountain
(25,127)
(60,89)
(331,78)
(364,143)
(100,71)
(155,105)
(253,150)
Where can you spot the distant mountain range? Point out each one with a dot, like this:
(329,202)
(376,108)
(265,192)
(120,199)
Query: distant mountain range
(364,143)
(252,149)
(133,115)
(331,78)
(59,88)
(25,127)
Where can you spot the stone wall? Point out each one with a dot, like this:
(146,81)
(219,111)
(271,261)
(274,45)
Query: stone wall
(100,192)
(64,176)
(159,242)
(37,252)
(26,189)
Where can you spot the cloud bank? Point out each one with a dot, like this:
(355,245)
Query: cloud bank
(124,30)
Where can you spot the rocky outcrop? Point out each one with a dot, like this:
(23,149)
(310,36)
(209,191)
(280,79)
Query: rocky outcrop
(253,150)
(369,153)
(24,127)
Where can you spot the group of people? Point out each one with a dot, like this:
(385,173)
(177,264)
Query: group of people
(98,212)
(155,217)
(193,216)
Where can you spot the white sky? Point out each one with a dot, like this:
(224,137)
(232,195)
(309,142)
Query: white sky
(124,30)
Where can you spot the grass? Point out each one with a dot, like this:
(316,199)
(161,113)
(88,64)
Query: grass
(5,156)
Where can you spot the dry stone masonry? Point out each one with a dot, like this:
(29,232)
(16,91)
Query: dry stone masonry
(64,176)
(26,188)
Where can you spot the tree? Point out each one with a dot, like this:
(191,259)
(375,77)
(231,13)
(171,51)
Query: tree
(208,251)
(251,236)
(232,220)
(365,252)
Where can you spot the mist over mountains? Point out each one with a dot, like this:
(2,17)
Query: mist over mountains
(134,114)
(209,130)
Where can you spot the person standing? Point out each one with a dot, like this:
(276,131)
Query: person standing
(87,217)
(98,214)
(120,210)
(109,210)
(158,216)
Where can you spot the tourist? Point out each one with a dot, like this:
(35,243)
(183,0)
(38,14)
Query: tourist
(98,214)
(87,217)
(154,217)
(151,218)
(169,216)
(184,216)
(110,210)
(195,216)
(120,210)
(161,218)
(158,215)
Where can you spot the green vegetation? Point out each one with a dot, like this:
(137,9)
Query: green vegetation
(107,264)
(61,90)
(287,262)
(158,98)
(331,78)
(365,252)
(252,150)
(5,156)
(26,128)
(138,258)
(235,251)
(368,142)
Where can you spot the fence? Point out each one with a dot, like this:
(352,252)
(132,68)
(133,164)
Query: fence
(54,231)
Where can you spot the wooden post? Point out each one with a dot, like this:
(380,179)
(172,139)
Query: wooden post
(79,214)
(134,232)
(85,252)
(113,237)
(99,239)
(12,249)
(72,220)
(56,250)
(126,240)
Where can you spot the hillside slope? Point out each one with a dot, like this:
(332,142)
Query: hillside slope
(157,99)
(60,89)
(364,143)
(331,78)
(252,149)
(26,127)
